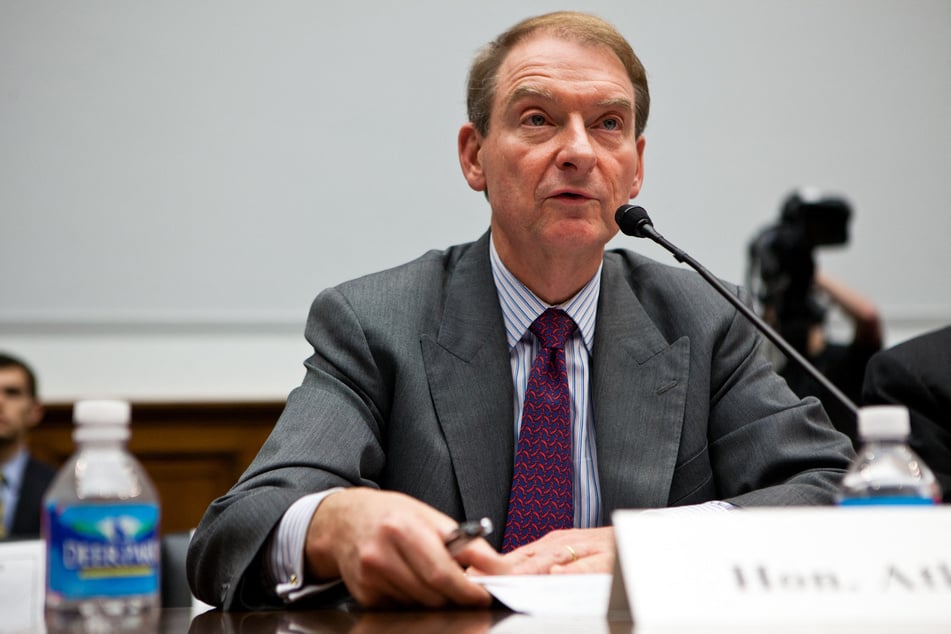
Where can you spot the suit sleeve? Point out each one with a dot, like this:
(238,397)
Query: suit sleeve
(767,446)
(329,435)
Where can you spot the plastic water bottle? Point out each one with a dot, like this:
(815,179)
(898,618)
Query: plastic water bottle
(101,528)
(886,470)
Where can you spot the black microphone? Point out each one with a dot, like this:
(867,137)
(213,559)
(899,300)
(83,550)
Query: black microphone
(634,221)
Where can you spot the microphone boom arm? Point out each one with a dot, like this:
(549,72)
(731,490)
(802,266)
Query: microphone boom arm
(646,229)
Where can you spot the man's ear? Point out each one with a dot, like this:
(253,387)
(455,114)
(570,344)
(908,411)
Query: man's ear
(36,413)
(470,156)
(639,177)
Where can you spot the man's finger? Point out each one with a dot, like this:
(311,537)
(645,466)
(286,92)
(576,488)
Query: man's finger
(438,573)
(600,563)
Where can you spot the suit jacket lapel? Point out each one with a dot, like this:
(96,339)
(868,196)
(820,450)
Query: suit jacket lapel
(470,379)
(639,387)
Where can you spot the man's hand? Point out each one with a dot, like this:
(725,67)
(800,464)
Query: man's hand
(572,551)
(389,550)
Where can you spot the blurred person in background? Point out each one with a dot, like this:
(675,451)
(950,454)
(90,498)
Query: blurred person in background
(23,479)
(795,298)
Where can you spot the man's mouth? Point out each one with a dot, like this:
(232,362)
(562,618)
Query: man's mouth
(570,195)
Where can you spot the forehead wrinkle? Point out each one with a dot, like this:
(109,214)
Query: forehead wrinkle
(529,91)
(526,91)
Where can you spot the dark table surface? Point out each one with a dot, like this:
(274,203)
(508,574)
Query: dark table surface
(357,621)
(499,621)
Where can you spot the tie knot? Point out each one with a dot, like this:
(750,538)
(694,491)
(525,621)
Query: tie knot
(553,327)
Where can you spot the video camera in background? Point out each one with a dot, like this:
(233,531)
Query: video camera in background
(782,266)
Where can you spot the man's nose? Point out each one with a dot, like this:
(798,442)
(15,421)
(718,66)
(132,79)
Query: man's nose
(576,150)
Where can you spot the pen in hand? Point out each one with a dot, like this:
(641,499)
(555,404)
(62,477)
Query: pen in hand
(465,533)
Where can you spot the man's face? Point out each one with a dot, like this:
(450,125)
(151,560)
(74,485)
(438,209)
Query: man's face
(560,154)
(18,410)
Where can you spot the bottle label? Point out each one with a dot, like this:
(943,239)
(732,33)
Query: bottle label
(890,500)
(103,550)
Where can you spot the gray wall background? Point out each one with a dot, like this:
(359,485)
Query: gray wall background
(179,179)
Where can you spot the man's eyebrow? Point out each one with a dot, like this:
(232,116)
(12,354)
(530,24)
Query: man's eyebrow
(619,103)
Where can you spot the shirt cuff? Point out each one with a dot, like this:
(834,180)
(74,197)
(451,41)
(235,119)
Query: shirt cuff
(713,506)
(285,550)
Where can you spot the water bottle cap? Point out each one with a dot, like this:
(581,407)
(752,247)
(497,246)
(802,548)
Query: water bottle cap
(101,420)
(102,412)
(884,421)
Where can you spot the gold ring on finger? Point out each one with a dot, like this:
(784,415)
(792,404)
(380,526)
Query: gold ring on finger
(571,551)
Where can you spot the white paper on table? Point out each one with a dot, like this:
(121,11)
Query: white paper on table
(22,585)
(549,595)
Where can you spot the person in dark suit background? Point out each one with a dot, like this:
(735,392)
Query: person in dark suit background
(406,421)
(25,479)
(917,374)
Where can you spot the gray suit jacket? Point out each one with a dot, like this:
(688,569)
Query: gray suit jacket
(410,389)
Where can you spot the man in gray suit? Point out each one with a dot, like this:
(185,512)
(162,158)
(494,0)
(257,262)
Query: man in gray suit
(408,416)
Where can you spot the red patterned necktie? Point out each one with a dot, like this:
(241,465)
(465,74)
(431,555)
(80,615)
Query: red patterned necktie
(541,501)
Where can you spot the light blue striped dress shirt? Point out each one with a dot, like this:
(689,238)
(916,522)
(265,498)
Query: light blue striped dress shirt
(520,307)
(11,485)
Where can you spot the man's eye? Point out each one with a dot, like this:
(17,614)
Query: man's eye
(611,124)
(536,120)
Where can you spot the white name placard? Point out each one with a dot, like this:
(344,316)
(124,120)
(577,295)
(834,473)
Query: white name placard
(22,585)
(769,567)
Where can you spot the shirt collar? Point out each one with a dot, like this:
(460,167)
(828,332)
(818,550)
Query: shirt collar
(13,469)
(520,306)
